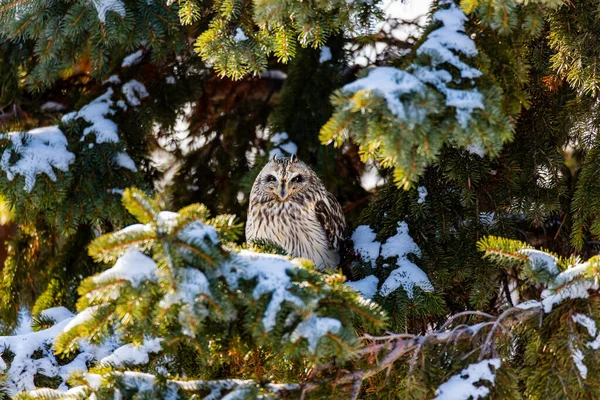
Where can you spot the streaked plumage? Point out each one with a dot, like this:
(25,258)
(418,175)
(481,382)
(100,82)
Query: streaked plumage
(290,206)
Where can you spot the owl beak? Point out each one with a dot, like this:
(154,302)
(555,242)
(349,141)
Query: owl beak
(282,193)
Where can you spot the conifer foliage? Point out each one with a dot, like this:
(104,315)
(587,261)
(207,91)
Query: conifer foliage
(394,116)
(183,303)
(471,272)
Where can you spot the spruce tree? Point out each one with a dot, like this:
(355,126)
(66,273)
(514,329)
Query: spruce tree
(471,273)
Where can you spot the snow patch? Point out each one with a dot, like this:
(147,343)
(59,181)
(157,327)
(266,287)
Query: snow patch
(133,355)
(23,368)
(39,151)
(281,142)
(240,35)
(462,386)
(133,266)
(391,83)
(58,314)
(134,91)
(541,260)
(313,329)
(52,106)
(114,79)
(274,74)
(408,275)
(476,149)
(422,190)
(123,160)
(577,356)
(365,244)
(325,54)
(366,286)
(586,322)
(133,59)
(269,270)
(95,113)
(105,6)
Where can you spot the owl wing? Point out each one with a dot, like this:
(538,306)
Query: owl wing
(331,217)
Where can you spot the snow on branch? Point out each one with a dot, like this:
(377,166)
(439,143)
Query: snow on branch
(96,114)
(462,386)
(103,7)
(399,246)
(443,46)
(27,355)
(44,150)
(37,151)
(270,271)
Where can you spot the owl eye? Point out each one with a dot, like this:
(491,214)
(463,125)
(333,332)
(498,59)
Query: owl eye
(297,179)
(270,178)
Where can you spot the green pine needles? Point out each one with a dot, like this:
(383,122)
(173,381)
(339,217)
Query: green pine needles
(403,118)
(242,35)
(177,301)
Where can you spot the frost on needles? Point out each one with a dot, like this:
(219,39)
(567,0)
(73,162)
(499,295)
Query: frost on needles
(403,117)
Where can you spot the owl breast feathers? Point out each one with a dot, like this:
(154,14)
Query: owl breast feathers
(290,206)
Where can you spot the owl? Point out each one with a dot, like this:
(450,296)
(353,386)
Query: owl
(290,206)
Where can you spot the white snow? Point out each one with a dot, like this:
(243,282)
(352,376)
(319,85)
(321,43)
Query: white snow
(595,344)
(290,147)
(486,218)
(131,354)
(586,322)
(391,83)
(462,386)
(170,80)
(366,286)
(192,283)
(240,35)
(133,266)
(270,273)
(529,304)
(105,6)
(365,244)
(407,275)
(114,79)
(81,318)
(313,329)
(134,91)
(275,74)
(564,288)
(95,113)
(133,59)
(443,46)
(422,190)
(39,150)
(279,138)
(476,149)
(52,106)
(400,244)
(198,230)
(58,314)
(24,368)
(577,356)
(281,142)
(123,160)
(325,54)
(541,260)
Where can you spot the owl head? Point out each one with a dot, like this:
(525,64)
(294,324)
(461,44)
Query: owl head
(283,178)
